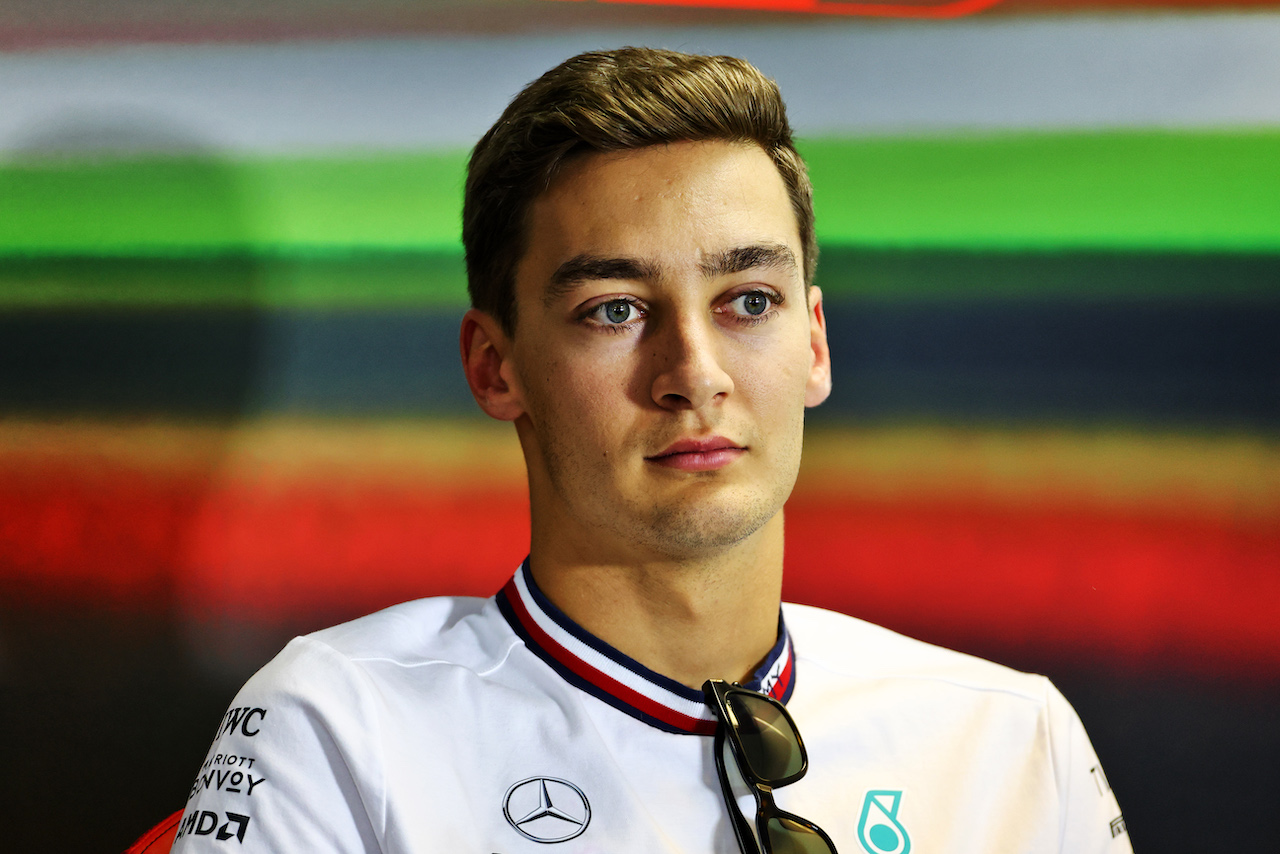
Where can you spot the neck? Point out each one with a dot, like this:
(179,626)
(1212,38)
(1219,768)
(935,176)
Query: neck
(689,619)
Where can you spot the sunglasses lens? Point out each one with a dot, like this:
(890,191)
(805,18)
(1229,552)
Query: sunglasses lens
(769,742)
(789,837)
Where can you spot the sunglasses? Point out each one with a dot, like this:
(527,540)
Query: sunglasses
(759,740)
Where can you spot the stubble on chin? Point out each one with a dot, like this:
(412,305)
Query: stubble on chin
(690,530)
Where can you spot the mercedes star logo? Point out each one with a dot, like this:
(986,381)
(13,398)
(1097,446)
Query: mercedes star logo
(546,809)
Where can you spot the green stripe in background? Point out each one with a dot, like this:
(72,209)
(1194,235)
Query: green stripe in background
(928,216)
(200,206)
(1145,191)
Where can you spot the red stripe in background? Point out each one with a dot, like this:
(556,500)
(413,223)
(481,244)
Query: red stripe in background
(62,25)
(134,540)
(1141,591)
(951,9)
(936,10)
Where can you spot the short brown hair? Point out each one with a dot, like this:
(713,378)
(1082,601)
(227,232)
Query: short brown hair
(612,101)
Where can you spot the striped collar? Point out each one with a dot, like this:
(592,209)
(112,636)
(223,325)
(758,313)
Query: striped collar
(624,683)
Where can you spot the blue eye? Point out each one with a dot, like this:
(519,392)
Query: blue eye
(751,304)
(617,311)
(755,303)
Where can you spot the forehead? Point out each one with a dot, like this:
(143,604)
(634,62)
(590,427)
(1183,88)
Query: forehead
(671,206)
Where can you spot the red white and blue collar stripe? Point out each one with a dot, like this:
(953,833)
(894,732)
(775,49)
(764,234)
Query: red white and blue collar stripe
(592,665)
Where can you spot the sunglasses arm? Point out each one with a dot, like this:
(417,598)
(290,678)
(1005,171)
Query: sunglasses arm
(741,827)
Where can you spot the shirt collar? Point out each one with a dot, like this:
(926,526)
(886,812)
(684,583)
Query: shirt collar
(592,665)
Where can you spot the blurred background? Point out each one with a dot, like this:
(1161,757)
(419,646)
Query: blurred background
(231,409)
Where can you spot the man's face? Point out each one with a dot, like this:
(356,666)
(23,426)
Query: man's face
(664,352)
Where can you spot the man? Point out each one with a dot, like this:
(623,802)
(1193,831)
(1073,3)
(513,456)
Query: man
(640,248)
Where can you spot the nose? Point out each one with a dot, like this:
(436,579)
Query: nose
(690,372)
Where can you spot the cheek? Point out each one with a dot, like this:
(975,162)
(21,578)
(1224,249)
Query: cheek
(573,395)
(775,377)
(585,383)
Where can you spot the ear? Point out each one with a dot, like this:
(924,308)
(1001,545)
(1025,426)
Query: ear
(819,385)
(486,361)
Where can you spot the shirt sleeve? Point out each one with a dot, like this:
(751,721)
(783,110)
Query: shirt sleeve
(295,764)
(1091,819)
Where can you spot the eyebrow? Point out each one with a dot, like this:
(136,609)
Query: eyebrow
(767,255)
(586,267)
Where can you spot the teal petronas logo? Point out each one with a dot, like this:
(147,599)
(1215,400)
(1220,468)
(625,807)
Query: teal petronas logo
(879,830)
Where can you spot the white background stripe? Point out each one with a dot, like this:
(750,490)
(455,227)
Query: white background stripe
(851,78)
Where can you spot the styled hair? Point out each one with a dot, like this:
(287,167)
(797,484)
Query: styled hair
(615,100)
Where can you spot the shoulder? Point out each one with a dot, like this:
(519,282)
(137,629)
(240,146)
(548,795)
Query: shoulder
(311,735)
(441,633)
(846,648)
(450,628)
(952,732)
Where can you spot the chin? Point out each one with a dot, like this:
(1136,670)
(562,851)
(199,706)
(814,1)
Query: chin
(709,527)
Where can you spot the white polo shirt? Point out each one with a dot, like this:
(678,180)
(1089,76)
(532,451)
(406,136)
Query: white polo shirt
(499,726)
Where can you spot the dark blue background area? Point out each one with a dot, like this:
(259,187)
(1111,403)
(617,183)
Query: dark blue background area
(1194,363)
(1190,362)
